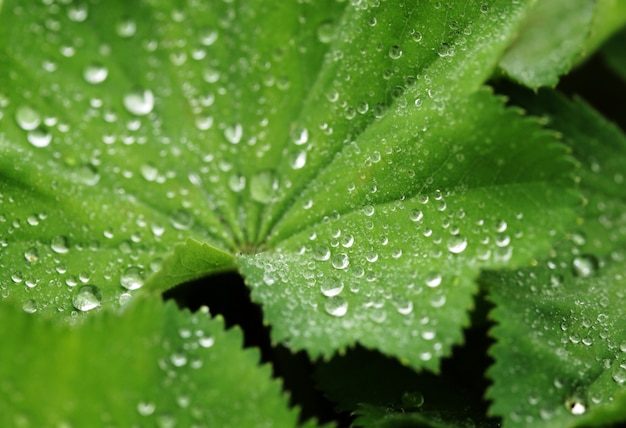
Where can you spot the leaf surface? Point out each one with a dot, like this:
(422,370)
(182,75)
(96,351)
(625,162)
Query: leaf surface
(561,337)
(148,365)
(345,156)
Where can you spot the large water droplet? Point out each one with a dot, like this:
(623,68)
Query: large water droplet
(146,408)
(619,373)
(181,219)
(433,279)
(585,265)
(457,244)
(126,28)
(300,136)
(340,261)
(39,137)
(95,73)
(234,133)
(60,244)
(321,253)
(325,32)
(30,306)
(77,12)
(27,118)
(88,297)
(331,288)
(395,52)
(336,306)
(139,102)
(132,278)
(262,186)
(298,160)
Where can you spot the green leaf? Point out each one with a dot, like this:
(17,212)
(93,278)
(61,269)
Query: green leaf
(550,42)
(350,162)
(148,365)
(561,337)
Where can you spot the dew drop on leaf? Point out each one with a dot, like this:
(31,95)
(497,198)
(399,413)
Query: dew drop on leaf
(262,186)
(585,265)
(132,278)
(59,244)
(416,215)
(298,160)
(27,118)
(87,298)
(331,288)
(619,373)
(146,408)
(126,28)
(340,261)
(336,306)
(325,32)
(234,133)
(39,137)
(321,253)
(181,219)
(77,12)
(300,136)
(30,306)
(95,73)
(433,279)
(395,52)
(139,102)
(178,359)
(457,244)
(31,255)
(206,341)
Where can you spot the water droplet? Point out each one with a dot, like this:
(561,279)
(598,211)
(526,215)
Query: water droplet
(576,407)
(31,255)
(585,265)
(416,36)
(237,183)
(87,174)
(27,118)
(433,279)
(39,137)
(412,400)
(457,244)
(445,50)
(325,32)
(132,278)
(300,136)
(234,133)
(88,297)
(139,102)
(206,341)
(340,261)
(619,373)
(336,306)
(262,186)
(331,288)
(126,28)
(298,160)
(30,306)
(146,408)
(77,12)
(95,73)
(321,253)
(416,215)
(60,244)
(178,359)
(208,36)
(395,52)
(181,219)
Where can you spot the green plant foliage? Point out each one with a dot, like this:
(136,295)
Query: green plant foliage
(347,159)
(154,365)
(561,337)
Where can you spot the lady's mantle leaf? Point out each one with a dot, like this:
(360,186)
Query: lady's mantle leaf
(152,365)
(561,351)
(345,151)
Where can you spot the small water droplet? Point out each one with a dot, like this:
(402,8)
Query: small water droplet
(234,133)
(146,408)
(30,306)
(31,255)
(132,278)
(126,28)
(619,373)
(416,215)
(445,50)
(325,32)
(88,297)
(321,253)
(585,265)
(457,244)
(181,219)
(139,102)
(206,341)
(60,244)
(39,137)
(78,12)
(300,136)
(95,73)
(237,183)
(395,52)
(336,306)
(178,359)
(576,407)
(331,288)
(262,186)
(208,36)
(298,160)
(27,118)
(412,400)
(433,279)
(340,261)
